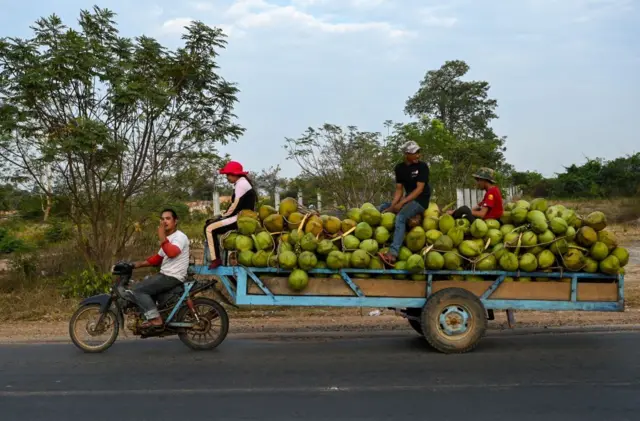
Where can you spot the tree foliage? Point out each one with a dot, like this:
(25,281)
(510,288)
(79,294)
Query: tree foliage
(464,107)
(110,115)
(352,166)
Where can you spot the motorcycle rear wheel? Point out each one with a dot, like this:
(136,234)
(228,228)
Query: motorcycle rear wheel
(109,324)
(212,328)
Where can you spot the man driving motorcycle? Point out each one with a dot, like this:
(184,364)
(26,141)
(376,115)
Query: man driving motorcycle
(173,259)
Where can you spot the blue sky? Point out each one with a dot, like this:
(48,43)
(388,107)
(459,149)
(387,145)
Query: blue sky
(566,73)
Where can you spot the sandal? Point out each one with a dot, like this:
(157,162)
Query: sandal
(388,259)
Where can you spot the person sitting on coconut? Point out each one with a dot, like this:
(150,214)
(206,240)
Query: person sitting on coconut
(411,197)
(243,198)
(491,205)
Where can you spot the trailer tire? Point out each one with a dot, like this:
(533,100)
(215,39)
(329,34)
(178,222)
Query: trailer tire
(453,321)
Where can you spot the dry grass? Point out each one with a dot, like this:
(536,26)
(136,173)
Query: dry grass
(42,304)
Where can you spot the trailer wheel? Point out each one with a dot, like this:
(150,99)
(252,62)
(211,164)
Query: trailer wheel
(453,321)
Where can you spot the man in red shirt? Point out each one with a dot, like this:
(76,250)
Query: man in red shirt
(491,205)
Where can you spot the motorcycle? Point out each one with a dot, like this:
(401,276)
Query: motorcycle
(201,323)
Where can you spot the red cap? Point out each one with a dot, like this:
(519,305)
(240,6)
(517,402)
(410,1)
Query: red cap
(233,168)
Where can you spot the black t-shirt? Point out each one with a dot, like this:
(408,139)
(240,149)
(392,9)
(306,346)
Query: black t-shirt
(410,175)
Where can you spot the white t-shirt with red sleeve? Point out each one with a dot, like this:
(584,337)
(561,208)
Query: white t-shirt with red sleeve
(175,256)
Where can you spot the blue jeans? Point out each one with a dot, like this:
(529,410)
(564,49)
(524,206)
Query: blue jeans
(407,212)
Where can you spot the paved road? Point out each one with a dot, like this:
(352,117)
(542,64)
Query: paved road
(538,377)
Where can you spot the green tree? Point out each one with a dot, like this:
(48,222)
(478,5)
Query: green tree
(352,166)
(451,159)
(110,114)
(464,107)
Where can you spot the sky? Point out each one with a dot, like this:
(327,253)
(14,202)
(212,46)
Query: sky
(566,73)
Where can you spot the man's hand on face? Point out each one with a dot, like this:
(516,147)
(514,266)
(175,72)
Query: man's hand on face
(449,212)
(161,232)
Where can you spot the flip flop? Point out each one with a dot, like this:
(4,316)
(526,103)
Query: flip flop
(386,259)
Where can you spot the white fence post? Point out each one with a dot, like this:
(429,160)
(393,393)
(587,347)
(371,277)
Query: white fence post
(216,203)
(319,196)
(276,199)
(300,198)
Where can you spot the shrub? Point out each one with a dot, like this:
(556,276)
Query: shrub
(86,283)
(57,232)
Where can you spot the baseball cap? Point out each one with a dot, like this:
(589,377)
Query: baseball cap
(410,147)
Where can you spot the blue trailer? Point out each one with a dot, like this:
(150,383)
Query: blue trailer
(451,314)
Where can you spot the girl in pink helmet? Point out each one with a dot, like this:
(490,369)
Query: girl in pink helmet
(243,197)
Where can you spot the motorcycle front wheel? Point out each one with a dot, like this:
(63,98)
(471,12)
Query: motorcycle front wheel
(210,330)
(99,336)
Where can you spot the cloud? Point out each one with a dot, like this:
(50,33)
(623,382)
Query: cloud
(202,6)
(431,17)
(247,14)
(176,25)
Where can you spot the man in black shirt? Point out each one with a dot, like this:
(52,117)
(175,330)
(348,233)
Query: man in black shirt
(411,197)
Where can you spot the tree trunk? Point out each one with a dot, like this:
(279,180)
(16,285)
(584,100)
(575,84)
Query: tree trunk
(46,207)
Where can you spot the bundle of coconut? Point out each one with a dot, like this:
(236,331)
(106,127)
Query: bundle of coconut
(530,237)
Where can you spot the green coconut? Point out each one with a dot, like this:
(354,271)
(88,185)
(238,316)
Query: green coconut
(596,220)
(457,235)
(509,262)
(452,261)
(388,221)
(295,237)
(360,259)
(529,239)
(599,251)
(590,265)
(363,231)
(494,236)
(415,263)
(263,241)
(288,206)
(347,225)
(370,246)
(499,250)
(486,261)
(229,242)
(325,247)
(274,223)
(265,211)
(307,260)
(260,259)
(432,211)
(443,243)
(243,243)
(538,222)
(546,259)
(559,247)
(376,263)
(245,258)
(432,236)
(371,216)
(539,204)
(586,236)
(474,278)
(478,229)
(523,204)
(247,225)
(430,224)
(354,215)
(610,265)
(470,249)
(434,260)
(381,235)
(573,260)
(554,212)
(506,229)
(446,222)
(332,225)
(285,247)
(351,242)
(546,238)
(415,239)
(622,254)
(519,216)
(400,265)
(492,224)
(506,218)
(287,259)
(308,242)
(558,225)
(404,254)
(336,260)
(463,224)
(608,238)
(298,280)
(528,262)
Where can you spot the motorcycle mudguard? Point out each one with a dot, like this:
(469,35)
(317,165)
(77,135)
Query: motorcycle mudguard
(103,299)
